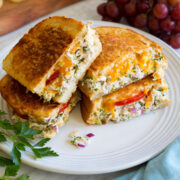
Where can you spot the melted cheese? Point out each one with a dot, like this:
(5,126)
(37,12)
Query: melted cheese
(122,68)
(75,47)
(64,68)
(149,100)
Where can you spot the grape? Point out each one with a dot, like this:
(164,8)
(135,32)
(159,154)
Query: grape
(177,27)
(130,8)
(174,2)
(121,1)
(167,24)
(130,20)
(101,9)
(112,9)
(165,37)
(176,12)
(160,11)
(153,24)
(142,7)
(156,33)
(163,2)
(140,21)
(175,41)
(106,18)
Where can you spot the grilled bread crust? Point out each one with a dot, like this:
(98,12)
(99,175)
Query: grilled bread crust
(34,56)
(27,103)
(118,45)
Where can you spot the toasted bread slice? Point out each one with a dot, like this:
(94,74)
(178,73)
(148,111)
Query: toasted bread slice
(126,57)
(28,106)
(133,100)
(51,58)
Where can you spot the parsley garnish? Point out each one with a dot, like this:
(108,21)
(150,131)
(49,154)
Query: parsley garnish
(20,134)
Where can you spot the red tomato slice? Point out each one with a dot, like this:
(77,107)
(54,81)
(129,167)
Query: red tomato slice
(52,77)
(64,106)
(131,100)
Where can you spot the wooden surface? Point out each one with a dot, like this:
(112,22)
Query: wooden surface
(15,15)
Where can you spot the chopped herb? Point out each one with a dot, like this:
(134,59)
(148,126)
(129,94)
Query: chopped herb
(158,101)
(134,69)
(73,141)
(59,115)
(155,68)
(96,89)
(160,89)
(89,78)
(75,68)
(81,60)
(60,63)
(86,49)
(159,58)
(77,53)
(142,104)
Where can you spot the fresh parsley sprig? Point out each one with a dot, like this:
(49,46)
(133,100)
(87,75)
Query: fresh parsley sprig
(20,134)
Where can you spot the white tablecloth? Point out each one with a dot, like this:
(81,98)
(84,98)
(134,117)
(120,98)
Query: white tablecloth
(85,10)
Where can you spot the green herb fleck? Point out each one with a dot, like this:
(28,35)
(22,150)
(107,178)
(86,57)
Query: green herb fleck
(142,104)
(86,49)
(96,89)
(60,63)
(81,60)
(160,89)
(77,53)
(91,78)
(73,141)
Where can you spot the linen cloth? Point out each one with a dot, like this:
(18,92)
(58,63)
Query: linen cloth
(165,166)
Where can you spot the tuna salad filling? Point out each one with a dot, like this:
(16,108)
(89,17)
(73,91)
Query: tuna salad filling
(104,84)
(69,74)
(155,100)
(49,125)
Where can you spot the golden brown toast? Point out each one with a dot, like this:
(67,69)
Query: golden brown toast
(125,58)
(28,104)
(133,100)
(47,48)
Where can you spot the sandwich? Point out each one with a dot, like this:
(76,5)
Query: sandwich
(52,57)
(26,106)
(126,57)
(133,100)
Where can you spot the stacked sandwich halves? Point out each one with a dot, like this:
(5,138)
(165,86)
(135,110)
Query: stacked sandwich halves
(125,80)
(43,71)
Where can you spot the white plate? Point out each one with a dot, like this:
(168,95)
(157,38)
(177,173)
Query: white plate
(115,146)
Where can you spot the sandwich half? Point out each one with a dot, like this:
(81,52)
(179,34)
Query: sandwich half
(126,57)
(53,56)
(133,100)
(26,106)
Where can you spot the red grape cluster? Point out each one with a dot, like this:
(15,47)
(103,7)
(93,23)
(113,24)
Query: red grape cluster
(159,17)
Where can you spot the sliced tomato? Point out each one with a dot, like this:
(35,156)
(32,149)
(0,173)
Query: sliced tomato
(64,106)
(130,100)
(52,77)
